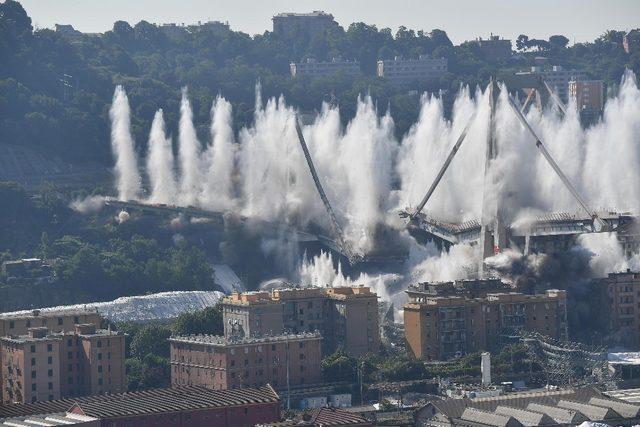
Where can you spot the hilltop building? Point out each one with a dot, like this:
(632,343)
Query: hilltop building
(557,77)
(402,72)
(313,68)
(45,366)
(347,317)
(445,323)
(314,24)
(221,363)
(494,48)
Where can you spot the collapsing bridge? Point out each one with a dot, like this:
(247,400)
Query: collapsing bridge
(492,233)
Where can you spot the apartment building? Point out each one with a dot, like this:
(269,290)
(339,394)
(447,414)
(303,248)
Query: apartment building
(588,96)
(402,72)
(44,365)
(313,68)
(220,363)
(313,24)
(623,290)
(494,48)
(557,77)
(347,317)
(442,326)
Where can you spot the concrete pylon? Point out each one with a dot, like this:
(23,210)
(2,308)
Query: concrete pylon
(493,233)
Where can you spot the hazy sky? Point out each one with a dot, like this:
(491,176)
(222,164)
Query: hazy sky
(579,20)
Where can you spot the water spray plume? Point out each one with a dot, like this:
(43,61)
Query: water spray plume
(128,181)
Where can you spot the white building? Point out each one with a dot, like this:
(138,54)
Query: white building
(406,71)
(313,68)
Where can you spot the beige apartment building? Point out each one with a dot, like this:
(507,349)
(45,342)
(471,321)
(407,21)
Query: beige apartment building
(44,365)
(220,363)
(623,290)
(347,317)
(440,327)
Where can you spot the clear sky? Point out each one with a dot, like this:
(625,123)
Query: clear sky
(579,20)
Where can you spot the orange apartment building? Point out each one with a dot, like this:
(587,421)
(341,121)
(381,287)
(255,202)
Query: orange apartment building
(16,324)
(347,317)
(440,327)
(44,365)
(223,363)
(623,290)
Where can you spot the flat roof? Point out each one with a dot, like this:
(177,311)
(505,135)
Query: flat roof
(219,340)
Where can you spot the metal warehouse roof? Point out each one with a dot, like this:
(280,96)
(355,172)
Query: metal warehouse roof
(155,401)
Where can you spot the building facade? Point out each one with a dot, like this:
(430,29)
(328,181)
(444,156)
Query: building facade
(45,366)
(558,78)
(623,290)
(54,321)
(402,72)
(347,317)
(314,24)
(440,327)
(588,96)
(312,68)
(494,48)
(221,363)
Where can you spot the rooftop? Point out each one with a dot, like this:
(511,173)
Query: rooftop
(153,401)
(564,406)
(58,419)
(314,14)
(323,417)
(218,340)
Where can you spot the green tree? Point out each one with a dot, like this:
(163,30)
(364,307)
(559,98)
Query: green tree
(339,366)
(151,339)
(207,321)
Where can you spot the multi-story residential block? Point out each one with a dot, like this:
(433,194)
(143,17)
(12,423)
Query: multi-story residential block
(347,317)
(313,68)
(221,363)
(623,290)
(557,77)
(44,366)
(442,326)
(494,48)
(588,96)
(314,24)
(402,72)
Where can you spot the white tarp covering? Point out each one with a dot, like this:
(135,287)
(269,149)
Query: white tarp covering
(631,358)
(164,305)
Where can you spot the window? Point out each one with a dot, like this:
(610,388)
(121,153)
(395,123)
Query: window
(273,347)
(100,368)
(109,355)
(69,367)
(33,361)
(70,380)
(49,360)
(28,323)
(100,381)
(99,356)
(33,387)
(50,373)
(33,349)
(69,342)
(50,386)
(70,355)
(49,347)
(301,345)
(11,324)
(33,375)
(99,343)
(60,321)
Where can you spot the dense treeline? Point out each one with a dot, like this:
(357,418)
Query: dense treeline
(147,345)
(55,91)
(95,258)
